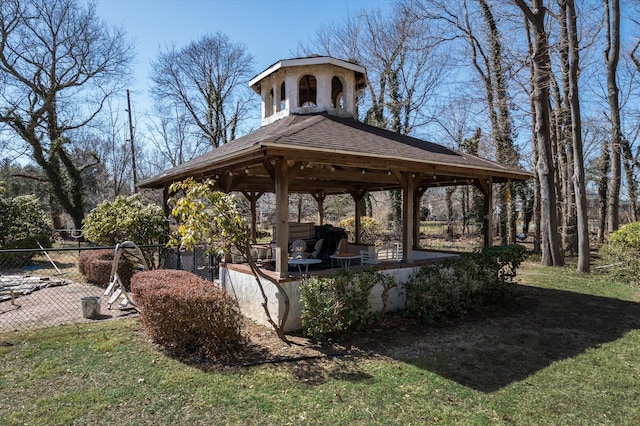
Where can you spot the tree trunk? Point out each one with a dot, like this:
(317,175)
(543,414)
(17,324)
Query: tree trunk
(551,253)
(506,152)
(612,54)
(578,157)
(464,205)
(603,186)
(559,141)
(498,107)
(632,182)
(537,234)
(449,202)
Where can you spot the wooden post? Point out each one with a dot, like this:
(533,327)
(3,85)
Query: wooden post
(357,196)
(165,201)
(282,218)
(486,187)
(319,197)
(253,198)
(407,217)
(419,192)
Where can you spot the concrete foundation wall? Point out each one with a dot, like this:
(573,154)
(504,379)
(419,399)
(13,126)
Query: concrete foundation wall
(245,290)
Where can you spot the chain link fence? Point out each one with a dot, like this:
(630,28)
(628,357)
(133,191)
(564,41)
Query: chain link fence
(44,287)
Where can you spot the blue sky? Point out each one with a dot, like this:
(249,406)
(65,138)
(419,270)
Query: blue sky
(270,29)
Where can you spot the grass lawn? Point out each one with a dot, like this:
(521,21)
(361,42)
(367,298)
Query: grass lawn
(565,352)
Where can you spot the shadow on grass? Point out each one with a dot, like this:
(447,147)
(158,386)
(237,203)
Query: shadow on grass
(502,344)
(486,351)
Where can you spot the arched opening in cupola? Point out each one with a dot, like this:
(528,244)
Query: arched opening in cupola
(268,104)
(307,91)
(337,93)
(282,105)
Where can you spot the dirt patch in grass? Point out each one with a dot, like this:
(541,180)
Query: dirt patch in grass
(489,349)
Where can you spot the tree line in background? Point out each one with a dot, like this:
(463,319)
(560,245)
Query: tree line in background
(548,85)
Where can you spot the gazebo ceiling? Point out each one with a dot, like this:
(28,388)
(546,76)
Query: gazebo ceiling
(328,154)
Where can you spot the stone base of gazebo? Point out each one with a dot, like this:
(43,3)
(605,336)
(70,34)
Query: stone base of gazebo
(238,281)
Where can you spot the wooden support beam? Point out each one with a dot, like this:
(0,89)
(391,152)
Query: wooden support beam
(486,187)
(357,196)
(319,197)
(294,169)
(400,177)
(270,169)
(408,224)
(418,193)
(225,181)
(253,197)
(165,201)
(282,218)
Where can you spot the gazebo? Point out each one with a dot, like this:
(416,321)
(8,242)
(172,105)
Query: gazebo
(310,142)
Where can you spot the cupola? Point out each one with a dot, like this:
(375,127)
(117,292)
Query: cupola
(310,85)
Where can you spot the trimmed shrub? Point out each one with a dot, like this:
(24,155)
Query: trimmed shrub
(455,286)
(622,253)
(334,304)
(96,266)
(187,315)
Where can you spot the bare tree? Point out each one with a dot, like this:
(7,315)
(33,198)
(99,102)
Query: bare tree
(174,137)
(604,164)
(611,56)
(404,65)
(486,59)
(562,135)
(541,64)
(208,78)
(59,63)
(576,135)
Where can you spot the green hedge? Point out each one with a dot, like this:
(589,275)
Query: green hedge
(335,304)
(622,253)
(23,223)
(455,286)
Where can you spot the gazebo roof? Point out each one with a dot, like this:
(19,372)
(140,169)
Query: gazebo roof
(331,154)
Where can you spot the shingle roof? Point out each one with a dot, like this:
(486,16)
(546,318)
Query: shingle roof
(327,134)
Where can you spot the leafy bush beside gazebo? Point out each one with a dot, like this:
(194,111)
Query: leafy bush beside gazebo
(23,224)
(126,218)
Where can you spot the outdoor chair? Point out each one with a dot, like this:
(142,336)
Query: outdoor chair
(389,252)
(369,257)
(316,249)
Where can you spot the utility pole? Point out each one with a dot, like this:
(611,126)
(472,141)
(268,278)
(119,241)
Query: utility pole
(133,149)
